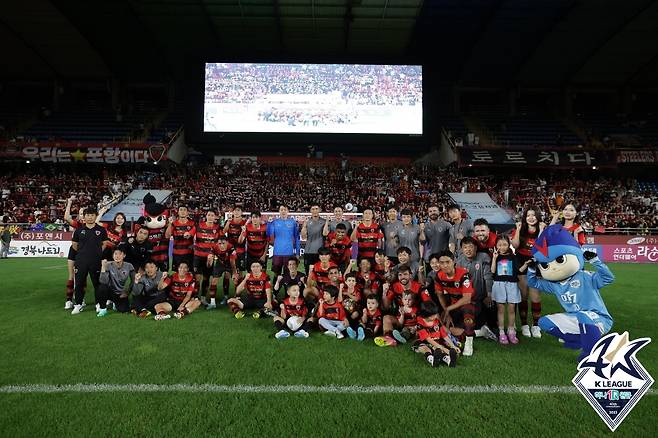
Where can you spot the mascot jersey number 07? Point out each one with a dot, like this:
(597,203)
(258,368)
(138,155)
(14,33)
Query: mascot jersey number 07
(561,262)
(155,221)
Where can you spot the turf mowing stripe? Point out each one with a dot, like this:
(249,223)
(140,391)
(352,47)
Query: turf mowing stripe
(274,389)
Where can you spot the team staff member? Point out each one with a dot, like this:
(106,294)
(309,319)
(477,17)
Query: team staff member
(312,233)
(149,289)
(436,234)
(460,228)
(283,232)
(113,286)
(88,241)
(390,229)
(138,249)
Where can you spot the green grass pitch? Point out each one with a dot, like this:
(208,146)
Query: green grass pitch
(44,344)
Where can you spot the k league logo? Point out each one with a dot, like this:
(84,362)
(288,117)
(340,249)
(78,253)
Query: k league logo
(612,379)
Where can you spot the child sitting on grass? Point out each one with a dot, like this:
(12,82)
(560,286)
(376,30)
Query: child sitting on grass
(331,313)
(371,320)
(293,311)
(433,339)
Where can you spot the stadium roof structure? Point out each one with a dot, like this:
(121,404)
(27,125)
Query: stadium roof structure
(553,43)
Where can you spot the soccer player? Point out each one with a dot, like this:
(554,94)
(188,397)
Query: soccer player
(88,241)
(484,237)
(330,225)
(149,289)
(292,306)
(312,233)
(435,342)
(409,235)
(207,236)
(233,229)
(181,295)
(319,275)
(368,236)
(116,234)
(182,229)
(390,229)
(523,238)
(460,228)
(138,249)
(284,233)
(259,294)
(222,262)
(341,248)
(455,282)
(331,313)
(291,276)
(255,234)
(436,233)
(113,287)
(478,265)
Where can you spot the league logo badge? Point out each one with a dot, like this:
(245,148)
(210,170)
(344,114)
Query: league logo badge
(612,379)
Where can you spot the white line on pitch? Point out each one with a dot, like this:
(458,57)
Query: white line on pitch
(277,389)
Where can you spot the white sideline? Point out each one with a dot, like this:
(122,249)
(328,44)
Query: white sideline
(278,389)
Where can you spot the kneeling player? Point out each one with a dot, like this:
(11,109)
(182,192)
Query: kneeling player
(259,293)
(434,340)
(149,289)
(292,307)
(112,279)
(180,295)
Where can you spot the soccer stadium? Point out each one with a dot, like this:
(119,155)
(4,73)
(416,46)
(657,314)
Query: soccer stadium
(298,218)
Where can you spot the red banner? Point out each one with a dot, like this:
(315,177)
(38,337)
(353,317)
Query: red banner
(624,249)
(71,152)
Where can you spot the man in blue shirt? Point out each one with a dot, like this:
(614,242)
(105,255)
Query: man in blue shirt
(283,232)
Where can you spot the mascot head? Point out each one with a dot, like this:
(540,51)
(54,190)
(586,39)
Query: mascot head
(557,253)
(154,212)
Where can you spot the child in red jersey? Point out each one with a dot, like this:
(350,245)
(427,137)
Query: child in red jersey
(408,313)
(371,320)
(331,313)
(433,338)
(259,294)
(180,298)
(350,295)
(292,316)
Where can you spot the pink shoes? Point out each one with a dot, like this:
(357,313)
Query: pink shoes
(502,339)
(512,338)
(509,338)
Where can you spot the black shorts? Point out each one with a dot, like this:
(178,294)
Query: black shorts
(240,262)
(249,303)
(218,269)
(72,254)
(178,259)
(174,304)
(200,266)
(279,262)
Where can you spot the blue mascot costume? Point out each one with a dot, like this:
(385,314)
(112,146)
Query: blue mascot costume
(561,261)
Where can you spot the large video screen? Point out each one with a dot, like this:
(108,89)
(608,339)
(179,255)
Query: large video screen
(322,98)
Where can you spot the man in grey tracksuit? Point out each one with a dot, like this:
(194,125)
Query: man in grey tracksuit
(113,278)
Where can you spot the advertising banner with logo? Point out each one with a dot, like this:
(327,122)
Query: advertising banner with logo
(40,244)
(70,152)
(624,249)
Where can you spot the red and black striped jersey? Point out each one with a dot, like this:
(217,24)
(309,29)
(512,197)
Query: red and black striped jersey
(334,311)
(368,237)
(373,320)
(455,286)
(355,295)
(182,244)
(409,318)
(114,236)
(224,256)
(233,231)
(397,289)
(256,286)
(256,238)
(433,329)
(295,309)
(341,250)
(206,237)
(321,275)
(526,241)
(180,287)
(380,271)
(367,281)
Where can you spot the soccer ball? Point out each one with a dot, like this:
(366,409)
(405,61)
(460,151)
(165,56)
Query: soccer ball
(294,323)
(349,304)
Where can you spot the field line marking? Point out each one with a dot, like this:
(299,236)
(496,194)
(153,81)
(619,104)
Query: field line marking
(278,389)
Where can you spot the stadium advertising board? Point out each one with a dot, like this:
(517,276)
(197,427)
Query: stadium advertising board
(535,158)
(637,157)
(624,249)
(117,153)
(40,244)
